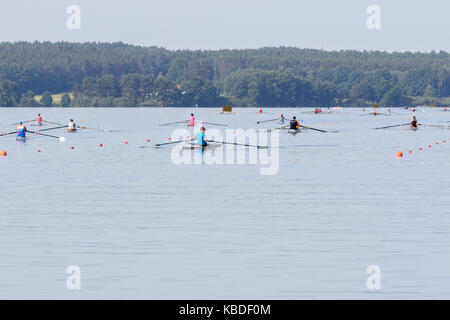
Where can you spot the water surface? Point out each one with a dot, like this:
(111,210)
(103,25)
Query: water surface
(142,227)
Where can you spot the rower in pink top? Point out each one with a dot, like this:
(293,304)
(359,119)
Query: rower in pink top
(192,120)
(39,120)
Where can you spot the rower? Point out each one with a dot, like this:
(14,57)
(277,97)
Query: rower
(201,137)
(293,124)
(71,127)
(388,111)
(413,123)
(21,130)
(282,118)
(39,120)
(260,110)
(192,120)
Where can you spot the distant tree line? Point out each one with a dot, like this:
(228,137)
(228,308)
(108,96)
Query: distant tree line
(117,75)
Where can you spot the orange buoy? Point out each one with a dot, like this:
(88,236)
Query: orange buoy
(420,149)
(148,140)
(399,154)
(72,148)
(100,145)
(170,138)
(3,153)
(410,151)
(39,150)
(126,142)
(429,146)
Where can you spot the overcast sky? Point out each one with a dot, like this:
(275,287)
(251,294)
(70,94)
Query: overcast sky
(406,25)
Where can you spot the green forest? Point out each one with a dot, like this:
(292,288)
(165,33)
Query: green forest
(121,75)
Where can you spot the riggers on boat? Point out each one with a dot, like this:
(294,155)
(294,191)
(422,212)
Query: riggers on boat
(72,130)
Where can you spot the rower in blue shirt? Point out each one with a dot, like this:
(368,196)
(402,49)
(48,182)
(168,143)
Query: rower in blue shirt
(201,137)
(21,131)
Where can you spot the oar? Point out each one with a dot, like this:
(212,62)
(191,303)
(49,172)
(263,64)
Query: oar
(434,126)
(52,128)
(306,127)
(12,124)
(397,125)
(78,127)
(214,124)
(172,142)
(57,123)
(239,144)
(267,120)
(87,128)
(166,124)
(7,134)
(48,135)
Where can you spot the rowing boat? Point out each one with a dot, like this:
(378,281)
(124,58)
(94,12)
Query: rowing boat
(294,131)
(21,139)
(194,146)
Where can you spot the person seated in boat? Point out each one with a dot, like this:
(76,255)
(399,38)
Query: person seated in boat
(413,123)
(388,111)
(282,118)
(293,124)
(192,120)
(71,127)
(201,137)
(39,120)
(21,131)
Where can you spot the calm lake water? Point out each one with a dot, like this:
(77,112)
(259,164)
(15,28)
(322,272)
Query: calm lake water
(141,227)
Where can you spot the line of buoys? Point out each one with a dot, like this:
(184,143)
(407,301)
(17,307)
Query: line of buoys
(399,154)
